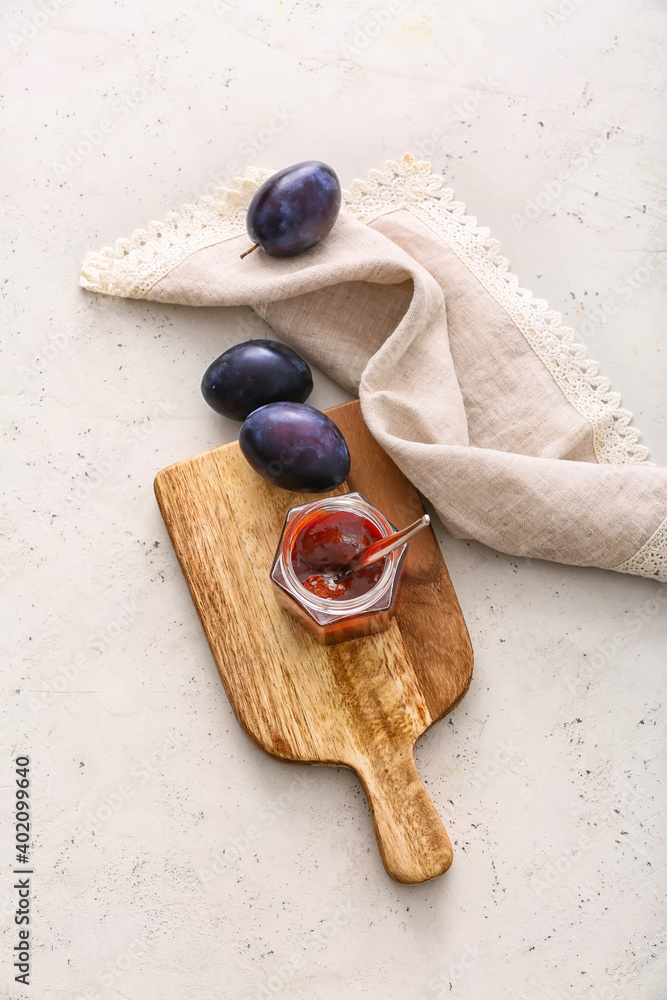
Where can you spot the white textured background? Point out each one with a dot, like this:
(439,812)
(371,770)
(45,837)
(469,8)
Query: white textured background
(172,859)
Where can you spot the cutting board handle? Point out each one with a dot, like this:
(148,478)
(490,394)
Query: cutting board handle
(412,840)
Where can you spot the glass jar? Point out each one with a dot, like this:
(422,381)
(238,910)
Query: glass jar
(330,619)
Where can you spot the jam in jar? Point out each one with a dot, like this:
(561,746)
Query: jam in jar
(317,542)
(325,545)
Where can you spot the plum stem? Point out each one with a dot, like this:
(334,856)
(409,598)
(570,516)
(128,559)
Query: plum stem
(248,251)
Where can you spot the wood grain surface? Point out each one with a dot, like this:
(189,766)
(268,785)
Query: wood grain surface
(361,704)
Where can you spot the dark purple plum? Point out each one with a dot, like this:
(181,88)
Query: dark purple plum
(295,446)
(255,373)
(294,209)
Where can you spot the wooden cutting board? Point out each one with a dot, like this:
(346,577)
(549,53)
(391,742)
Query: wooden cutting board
(360,704)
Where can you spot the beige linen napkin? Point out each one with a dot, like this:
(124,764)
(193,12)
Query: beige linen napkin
(470,384)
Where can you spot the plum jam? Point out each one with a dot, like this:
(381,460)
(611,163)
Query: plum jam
(317,541)
(324,546)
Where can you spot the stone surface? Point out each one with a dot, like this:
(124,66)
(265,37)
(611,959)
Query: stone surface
(172,859)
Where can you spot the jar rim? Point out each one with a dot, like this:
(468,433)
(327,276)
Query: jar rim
(343,501)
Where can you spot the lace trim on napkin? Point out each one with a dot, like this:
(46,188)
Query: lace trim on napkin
(411,185)
(651,560)
(132,266)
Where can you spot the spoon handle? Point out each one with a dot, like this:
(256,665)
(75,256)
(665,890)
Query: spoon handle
(381,548)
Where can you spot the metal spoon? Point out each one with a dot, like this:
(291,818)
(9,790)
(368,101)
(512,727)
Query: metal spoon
(378,550)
